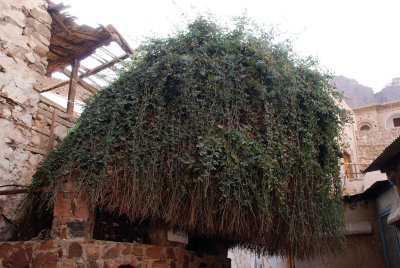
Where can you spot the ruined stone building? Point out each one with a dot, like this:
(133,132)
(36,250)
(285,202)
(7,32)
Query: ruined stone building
(37,40)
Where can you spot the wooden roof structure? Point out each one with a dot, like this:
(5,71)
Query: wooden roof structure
(71,43)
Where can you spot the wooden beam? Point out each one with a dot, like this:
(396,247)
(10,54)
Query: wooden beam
(61,111)
(119,39)
(50,141)
(72,87)
(82,83)
(59,84)
(104,66)
(21,191)
(63,122)
(79,54)
(88,73)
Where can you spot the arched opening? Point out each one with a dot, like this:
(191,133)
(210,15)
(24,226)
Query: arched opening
(365,128)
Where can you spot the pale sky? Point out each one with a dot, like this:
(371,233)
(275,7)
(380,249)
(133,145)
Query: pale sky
(357,39)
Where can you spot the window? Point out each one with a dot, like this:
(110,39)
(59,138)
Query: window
(396,122)
(364,128)
(393,121)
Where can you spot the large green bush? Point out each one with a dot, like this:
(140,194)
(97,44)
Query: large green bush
(218,132)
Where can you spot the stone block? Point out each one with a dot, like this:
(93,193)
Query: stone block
(17,259)
(47,245)
(62,207)
(170,254)
(68,263)
(153,252)
(137,251)
(5,250)
(160,264)
(74,250)
(61,131)
(112,251)
(93,264)
(39,27)
(76,228)
(41,15)
(45,259)
(93,252)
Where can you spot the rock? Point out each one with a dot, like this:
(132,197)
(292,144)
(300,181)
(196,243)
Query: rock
(74,250)
(17,259)
(41,15)
(76,228)
(61,131)
(30,57)
(93,252)
(45,259)
(5,250)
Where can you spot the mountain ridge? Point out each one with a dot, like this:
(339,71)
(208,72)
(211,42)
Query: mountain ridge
(359,95)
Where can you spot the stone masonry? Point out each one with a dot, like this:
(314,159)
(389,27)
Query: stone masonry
(370,143)
(72,245)
(24,40)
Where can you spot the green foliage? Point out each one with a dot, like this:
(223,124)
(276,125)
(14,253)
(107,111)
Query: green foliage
(222,133)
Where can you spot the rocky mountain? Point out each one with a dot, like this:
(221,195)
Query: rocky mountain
(360,95)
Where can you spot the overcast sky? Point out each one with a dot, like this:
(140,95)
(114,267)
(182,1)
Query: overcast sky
(357,39)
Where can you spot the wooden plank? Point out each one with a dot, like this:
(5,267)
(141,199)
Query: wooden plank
(59,84)
(120,39)
(21,191)
(72,87)
(58,119)
(104,66)
(79,54)
(50,141)
(61,111)
(83,36)
(82,83)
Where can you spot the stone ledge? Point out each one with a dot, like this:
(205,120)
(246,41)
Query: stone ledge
(96,253)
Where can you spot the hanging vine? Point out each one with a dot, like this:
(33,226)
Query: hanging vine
(222,133)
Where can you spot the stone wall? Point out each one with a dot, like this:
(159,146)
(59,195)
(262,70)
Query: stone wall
(25,115)
(71,244)
(371,143)
(100,254)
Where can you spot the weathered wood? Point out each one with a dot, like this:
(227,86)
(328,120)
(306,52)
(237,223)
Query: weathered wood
(58,119)
(87,74)
(78,54)
(119,39)
(21,191)
(61,111)
(59,84)
(82,83)
(50,141)
(104,66)
(72,86)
